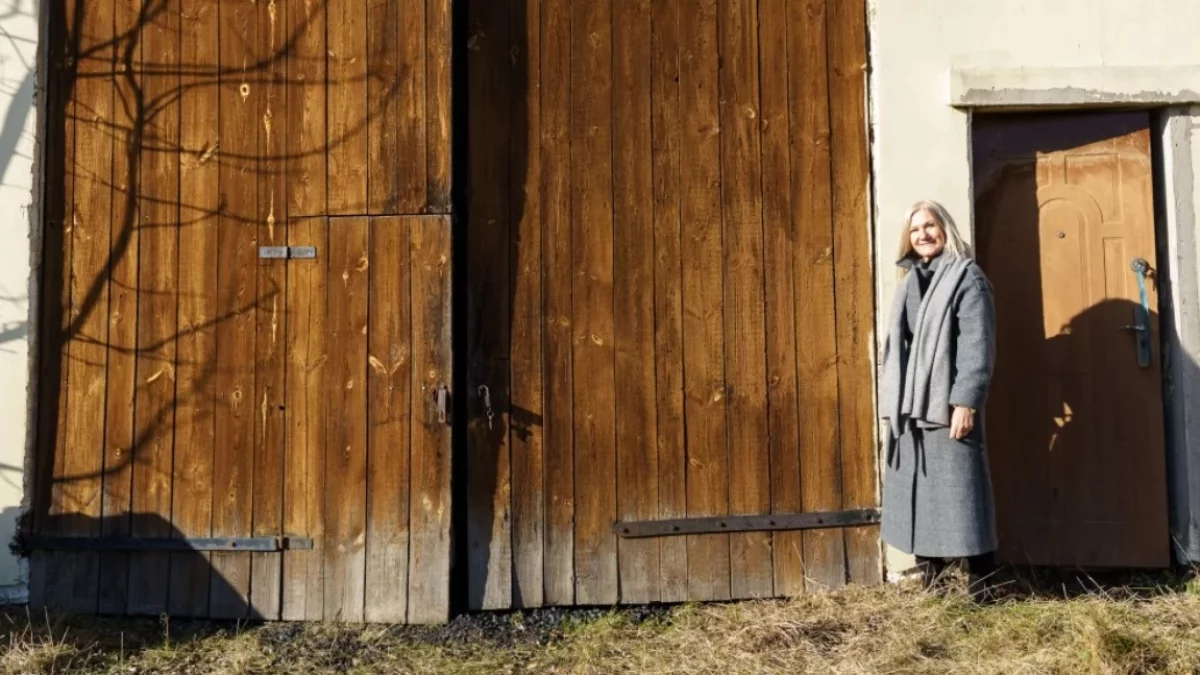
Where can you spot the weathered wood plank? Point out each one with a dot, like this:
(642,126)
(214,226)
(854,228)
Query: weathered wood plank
(745,320)
(396,106)
(703,330)
(346,91)
(592,290)
(308,162)
(816,355)
(633,290)
(489,321)
(438,113)
(122,309)
(779,242)
(158,193)
(237,291)
(195,427)
(346,418)
(389,420)
(558,425)
(853,277)
(270,413)
(668,291)
(429,562)
(304,392)
(525,413)
(92,103)
(55,309)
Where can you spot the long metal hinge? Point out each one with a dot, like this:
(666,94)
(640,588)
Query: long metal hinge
(255,544)
(287,252)
(774,521)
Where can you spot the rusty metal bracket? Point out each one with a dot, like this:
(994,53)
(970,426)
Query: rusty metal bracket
(252,544)
(765,523)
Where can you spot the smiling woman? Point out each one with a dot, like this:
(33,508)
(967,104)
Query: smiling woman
(937,365)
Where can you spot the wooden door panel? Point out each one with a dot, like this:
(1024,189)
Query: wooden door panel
(1064,205)
(671,297)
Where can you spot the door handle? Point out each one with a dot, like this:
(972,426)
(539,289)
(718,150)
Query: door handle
(1141,315)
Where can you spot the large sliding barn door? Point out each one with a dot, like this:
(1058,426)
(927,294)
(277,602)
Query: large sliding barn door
(669,270)
(246,310)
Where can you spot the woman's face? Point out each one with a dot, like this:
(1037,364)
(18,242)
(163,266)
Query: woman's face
(926,236)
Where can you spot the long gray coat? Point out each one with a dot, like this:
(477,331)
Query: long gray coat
(937,492)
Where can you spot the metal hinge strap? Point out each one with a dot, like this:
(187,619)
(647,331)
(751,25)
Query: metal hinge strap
(769,522)
(255,544)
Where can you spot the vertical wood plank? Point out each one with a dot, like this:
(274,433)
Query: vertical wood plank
(779,242)
(559,556)
(396,106)
(389,382)
(199,181)
(54,317)
(816,354)
(853,277)
(270,413)
(438,113)
(745,320)
(385,82)
(668,291)
(346,415)
(237,290)
(80,506)
(306,106)
(592,291)
(525,413)
(123,308)
(633,289)
(346,90)
(704,335)
(429,564)
(158,194)
(304,391)
(489,321)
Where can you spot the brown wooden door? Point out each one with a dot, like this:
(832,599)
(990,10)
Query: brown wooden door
(1074,424)
(669,266)
(189,389)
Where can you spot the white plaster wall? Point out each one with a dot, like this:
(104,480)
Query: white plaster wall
(920,146)
(19,24)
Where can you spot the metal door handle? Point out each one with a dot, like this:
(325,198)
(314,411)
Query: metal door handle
(1141,315)
(443,403)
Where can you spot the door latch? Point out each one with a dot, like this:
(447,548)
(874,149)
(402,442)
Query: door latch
(443,403)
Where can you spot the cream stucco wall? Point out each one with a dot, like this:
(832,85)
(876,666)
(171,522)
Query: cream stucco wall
(929,54)
(18,77)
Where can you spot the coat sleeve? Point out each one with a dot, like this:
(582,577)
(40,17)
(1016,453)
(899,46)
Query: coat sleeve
(975,343)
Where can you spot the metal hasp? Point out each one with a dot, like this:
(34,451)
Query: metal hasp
(254,544)
(287,252)
(1141,315)
(775,521)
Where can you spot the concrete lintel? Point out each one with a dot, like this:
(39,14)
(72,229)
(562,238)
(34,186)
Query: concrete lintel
(1074,86)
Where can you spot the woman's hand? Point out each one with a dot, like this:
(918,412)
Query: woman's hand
(961,423)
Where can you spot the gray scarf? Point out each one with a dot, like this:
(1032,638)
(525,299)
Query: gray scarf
(917,377)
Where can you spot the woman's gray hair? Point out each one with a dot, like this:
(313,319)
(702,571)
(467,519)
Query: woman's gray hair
(955,245)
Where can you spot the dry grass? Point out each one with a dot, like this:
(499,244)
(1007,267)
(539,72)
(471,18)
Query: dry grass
(859,630)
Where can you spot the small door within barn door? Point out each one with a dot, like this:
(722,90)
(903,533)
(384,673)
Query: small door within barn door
(368,435)
(1075,421)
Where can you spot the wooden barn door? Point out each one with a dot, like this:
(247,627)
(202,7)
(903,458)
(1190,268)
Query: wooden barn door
(246,328)
(1075,421)
(670,276)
